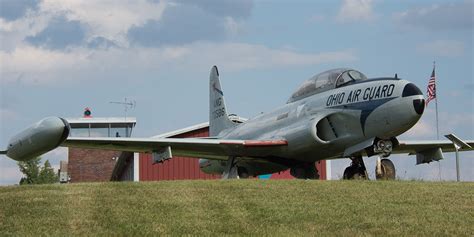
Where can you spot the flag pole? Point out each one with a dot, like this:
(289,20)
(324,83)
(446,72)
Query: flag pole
(437,124)
(436,105)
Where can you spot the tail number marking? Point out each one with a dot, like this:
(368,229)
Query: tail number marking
(218,113)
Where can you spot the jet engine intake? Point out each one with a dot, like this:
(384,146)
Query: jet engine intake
(335,126)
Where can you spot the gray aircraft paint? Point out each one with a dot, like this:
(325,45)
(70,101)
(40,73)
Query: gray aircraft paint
(361,111)
(218,118)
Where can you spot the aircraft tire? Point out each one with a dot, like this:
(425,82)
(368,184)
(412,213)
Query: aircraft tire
(388,170)
(353,172)
(242,172)
(350,172)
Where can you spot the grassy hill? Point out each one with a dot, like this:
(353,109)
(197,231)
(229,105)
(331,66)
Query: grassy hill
(240,207)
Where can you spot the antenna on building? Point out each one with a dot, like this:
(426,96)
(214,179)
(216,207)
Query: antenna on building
(127,104)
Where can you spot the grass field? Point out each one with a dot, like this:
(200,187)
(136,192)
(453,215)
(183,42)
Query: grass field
(240,207)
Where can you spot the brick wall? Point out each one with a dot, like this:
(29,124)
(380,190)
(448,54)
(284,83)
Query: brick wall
(91,165)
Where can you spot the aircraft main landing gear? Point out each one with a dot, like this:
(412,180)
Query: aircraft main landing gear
(232,171)
(356,170)
(305,171)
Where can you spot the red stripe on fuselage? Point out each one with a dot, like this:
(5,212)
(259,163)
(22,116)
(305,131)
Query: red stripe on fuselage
(255,143)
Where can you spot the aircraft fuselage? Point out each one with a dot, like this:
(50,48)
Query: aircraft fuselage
(324,125)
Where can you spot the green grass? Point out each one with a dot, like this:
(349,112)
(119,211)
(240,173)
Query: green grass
(240,207)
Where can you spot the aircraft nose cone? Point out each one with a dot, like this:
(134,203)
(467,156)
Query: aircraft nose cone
(419,105)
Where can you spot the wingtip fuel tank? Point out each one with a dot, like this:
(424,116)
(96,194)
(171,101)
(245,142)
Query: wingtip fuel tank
(38,139)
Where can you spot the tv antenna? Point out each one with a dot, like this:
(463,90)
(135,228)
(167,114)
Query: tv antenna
(127,104)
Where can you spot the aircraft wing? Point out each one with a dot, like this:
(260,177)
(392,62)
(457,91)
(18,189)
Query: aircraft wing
(217,149)
(413,147)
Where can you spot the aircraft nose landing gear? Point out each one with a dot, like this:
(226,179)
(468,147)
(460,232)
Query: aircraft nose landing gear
(356,170)
(383,147)
(384,170)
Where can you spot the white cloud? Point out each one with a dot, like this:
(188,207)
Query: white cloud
(422,130)
(356,10)
(14,32)
(444,16)
(107,18)
(458,123)
(443,48)
(232,26)
(39,65)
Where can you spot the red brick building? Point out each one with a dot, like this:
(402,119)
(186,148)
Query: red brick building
(92,165)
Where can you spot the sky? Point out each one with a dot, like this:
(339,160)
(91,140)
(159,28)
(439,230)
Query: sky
(58,57)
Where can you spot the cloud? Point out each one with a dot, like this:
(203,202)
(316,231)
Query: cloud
(422,130)
(443,48)
(446,16)
(14,9)
(356,10)
(65,22)
(59,34)
(224,8)
(191,21)
(107,18)
(458,123)
(106,23)
(79,61)
(179,25)
(37,64)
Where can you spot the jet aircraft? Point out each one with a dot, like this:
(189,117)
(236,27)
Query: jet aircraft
(336,114)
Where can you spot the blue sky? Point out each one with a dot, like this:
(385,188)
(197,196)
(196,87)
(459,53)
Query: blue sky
(58,57)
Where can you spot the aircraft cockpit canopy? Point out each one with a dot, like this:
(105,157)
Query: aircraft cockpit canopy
(327,80)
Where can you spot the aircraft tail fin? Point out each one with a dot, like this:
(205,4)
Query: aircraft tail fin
(218,117)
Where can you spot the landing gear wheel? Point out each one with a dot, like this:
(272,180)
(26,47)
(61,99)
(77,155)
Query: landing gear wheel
(243,173)
(356,170)
(387,171)
(305,171)
(350,172)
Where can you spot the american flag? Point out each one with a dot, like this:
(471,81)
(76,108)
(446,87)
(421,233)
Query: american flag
(431,90)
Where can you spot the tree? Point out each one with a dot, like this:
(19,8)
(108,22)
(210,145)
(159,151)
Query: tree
(30,169)
(47,175)
(35,174)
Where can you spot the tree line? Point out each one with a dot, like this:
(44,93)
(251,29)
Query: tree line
(34,173)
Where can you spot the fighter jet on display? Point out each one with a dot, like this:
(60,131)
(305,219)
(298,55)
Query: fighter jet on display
(336,114)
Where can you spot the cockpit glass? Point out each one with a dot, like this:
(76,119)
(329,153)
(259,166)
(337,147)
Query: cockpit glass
(357,75)
(326,81)
(344,78)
